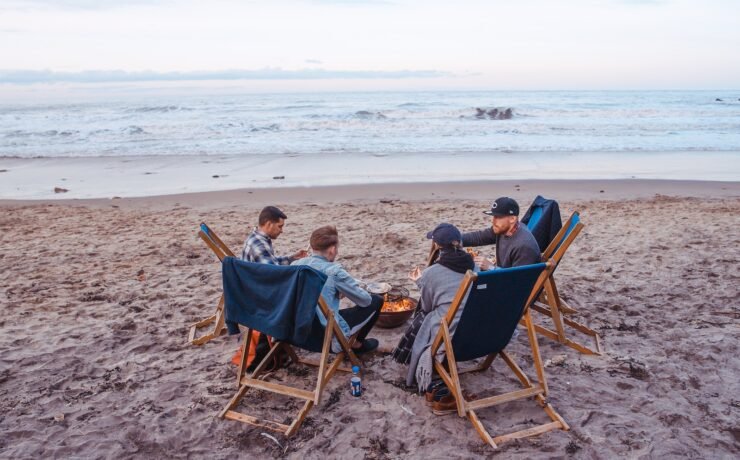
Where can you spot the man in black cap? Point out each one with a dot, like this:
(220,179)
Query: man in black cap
(515,244)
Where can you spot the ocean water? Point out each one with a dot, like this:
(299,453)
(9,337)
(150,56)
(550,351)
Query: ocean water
(374,123)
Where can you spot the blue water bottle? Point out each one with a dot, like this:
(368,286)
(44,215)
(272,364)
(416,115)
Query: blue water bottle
(356,382)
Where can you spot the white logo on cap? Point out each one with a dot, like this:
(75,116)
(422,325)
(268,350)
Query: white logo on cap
(494,205)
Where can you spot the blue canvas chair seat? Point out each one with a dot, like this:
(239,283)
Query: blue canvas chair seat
(497,300)
(552,305)
(281,301)
(217,318)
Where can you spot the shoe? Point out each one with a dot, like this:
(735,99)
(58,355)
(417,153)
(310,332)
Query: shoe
(445,405)
(367,346)
(433,388)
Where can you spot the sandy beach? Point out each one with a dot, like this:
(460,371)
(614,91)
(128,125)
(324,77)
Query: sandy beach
(97,296)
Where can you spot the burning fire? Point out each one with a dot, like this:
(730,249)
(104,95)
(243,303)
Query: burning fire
(472,252)
(398,305)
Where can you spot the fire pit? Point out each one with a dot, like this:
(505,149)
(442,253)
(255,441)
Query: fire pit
(397,308)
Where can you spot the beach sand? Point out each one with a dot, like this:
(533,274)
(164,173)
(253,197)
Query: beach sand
(97,297)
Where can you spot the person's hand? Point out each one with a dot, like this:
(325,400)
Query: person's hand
(300,254)
(483,263)
(415,274)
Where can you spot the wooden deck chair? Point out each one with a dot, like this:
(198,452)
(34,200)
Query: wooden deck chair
(497,300)
(326,370)
(221,250)
(549,302)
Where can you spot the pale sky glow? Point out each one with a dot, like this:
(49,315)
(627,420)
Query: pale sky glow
(488,44)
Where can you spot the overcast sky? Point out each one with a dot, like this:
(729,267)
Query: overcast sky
(487,44)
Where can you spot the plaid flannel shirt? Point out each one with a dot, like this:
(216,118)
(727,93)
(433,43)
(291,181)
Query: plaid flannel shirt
(258,248)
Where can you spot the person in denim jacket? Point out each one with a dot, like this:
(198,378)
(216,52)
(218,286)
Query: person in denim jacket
(359,319)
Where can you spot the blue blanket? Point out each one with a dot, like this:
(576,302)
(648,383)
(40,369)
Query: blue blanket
(279,301)
(543,220)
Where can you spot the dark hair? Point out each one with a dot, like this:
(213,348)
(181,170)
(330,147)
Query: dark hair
(271,214)
(323,238)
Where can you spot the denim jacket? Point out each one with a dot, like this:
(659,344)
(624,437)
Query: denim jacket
(338,281)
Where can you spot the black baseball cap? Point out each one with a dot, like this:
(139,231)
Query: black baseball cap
(503,206)
(444,234)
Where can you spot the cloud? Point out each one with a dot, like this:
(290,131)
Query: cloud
(642,2)
(100,76)
(313,61)
(75,4)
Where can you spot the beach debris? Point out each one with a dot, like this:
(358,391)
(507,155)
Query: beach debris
(3,170)
(557,360)
(407,410)
(572,448)
(394,239)
(60,190)
(278,177)
(140,275)
(215,176)
(718,100)
(273,438)
(59,417)
(116,198)
(601,191)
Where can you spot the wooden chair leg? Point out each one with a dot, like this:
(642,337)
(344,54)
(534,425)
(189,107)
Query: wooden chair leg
(218,329)
(482,432)
(245,355)
(298,421)
(325,350)
(552,309)
(539,367)
(552,298)
(564,307)
(485,364)
(452,365)
(516,369)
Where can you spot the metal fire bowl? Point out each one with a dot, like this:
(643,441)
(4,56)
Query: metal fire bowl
(391,319)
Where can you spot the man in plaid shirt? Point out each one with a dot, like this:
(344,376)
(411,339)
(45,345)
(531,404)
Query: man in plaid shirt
(258,247)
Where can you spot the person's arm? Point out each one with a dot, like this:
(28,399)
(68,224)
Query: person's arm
(426,296)
(483,237)
(261,253)
(351,289)
(283,260)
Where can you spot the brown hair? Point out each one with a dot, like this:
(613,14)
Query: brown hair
(323,238)
(271,214)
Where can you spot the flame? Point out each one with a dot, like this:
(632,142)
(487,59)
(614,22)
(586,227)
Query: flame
(472,252)
(398,305)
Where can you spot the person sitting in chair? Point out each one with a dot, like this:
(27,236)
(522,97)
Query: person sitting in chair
(515,244)
(258,249)
(438,285)
(258,246)
(359,319)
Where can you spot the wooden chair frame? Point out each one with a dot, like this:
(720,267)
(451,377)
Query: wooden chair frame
(451,374)
(325,371)
(221,250)
(553,306)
